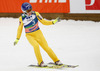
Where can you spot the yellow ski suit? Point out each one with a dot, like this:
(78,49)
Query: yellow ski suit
(35,36)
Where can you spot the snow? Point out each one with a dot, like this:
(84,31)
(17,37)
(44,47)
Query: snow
(74,42)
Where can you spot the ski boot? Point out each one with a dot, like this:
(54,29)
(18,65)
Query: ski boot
(42,64)
(58,63)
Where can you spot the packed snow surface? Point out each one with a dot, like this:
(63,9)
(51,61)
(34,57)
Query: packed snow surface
(74,42)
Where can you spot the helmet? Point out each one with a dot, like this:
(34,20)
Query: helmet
(26,6)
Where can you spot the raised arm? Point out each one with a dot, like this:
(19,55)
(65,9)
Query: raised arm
(45,22)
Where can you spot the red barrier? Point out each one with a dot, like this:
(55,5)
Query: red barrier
(42,6)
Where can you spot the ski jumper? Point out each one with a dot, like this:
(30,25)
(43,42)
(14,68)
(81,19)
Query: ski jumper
(34,34)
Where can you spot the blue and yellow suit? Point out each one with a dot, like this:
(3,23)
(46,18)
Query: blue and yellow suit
(34,34)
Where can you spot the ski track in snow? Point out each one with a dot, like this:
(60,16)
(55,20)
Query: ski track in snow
(74,42)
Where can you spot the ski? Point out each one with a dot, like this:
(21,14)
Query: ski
(53,66)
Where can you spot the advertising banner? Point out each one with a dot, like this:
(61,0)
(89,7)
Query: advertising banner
(42,6)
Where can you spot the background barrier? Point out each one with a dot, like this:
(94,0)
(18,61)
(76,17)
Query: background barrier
(92,17)
(50,9)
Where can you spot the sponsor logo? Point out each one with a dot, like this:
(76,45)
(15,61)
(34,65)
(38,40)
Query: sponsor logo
(51,6)
(92,4)
(48,1)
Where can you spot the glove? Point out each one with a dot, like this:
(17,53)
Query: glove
(56,20)
(16,41)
